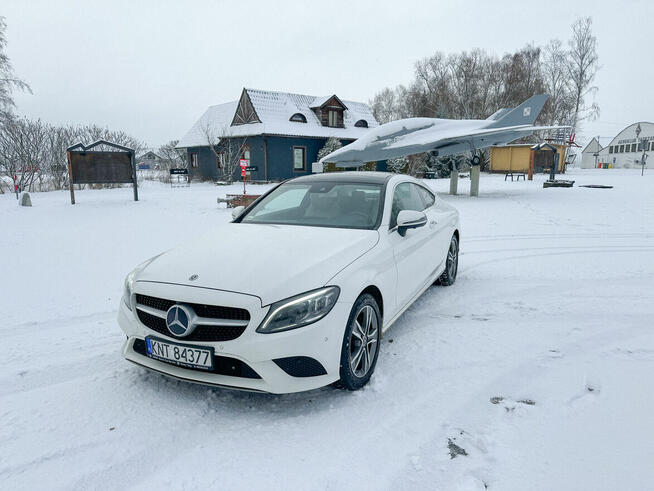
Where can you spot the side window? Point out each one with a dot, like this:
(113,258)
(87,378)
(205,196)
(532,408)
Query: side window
(427,197)
(405,197)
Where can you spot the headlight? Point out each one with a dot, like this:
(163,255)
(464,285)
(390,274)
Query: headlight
(129,281)
(300,310)
(127,291)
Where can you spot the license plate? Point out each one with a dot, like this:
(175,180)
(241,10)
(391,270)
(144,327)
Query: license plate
(180,354)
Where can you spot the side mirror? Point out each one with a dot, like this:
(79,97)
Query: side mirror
(407,219)
(237,211)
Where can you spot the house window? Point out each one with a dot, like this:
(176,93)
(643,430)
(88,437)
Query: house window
(651,146)
(194,160)
(299,158)
(332,118)
(610,149)
(298,118)
(362,123)
(621,148)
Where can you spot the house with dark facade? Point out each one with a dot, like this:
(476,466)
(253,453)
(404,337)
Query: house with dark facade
(277,133)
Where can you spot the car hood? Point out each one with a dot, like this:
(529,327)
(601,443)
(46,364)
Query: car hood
(270,261)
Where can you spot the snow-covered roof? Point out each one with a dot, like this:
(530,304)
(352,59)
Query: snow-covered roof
(319,101)
(274,109)
(212,122)
(593,146)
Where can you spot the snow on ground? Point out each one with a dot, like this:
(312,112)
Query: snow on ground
(537,363)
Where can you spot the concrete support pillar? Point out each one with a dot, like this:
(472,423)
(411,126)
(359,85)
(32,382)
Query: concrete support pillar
(474,180)
(454,180)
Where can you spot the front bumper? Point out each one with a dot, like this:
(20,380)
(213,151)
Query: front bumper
(320,341)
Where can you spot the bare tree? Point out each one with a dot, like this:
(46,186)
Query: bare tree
(227,150)
(171,156)
(384,106)
(560,104)
(9,82)
(582,68)
(35,152)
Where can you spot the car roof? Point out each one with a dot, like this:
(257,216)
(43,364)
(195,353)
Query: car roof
(370,177)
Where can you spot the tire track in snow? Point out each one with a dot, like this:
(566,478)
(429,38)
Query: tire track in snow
(557,236)
(594,250)
(40,354)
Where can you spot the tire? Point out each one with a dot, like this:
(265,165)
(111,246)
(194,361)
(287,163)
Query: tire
(357,363)
(451,264)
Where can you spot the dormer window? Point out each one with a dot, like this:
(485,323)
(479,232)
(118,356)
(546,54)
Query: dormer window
(332,118)
(362,123)
(298,118)
(329,111)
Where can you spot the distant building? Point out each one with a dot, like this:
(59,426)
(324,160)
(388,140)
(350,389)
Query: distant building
(516,157)
(623,151)
(280,134)
(149,160)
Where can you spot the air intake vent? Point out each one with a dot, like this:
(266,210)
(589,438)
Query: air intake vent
(301,366)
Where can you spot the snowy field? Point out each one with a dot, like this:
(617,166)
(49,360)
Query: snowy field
(534,370)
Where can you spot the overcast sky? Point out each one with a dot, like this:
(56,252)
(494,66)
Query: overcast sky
(152,67)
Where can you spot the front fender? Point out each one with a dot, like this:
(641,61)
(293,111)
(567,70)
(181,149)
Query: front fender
(375,268)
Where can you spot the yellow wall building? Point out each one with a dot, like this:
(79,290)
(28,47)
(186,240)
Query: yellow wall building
(515,158)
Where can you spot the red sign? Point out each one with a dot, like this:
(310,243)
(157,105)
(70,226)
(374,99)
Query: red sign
(244,163)
(242,171)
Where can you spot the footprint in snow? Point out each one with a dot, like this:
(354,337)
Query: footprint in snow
(509,405)
(635,353)
(454,449)
(592,387)
(463,442)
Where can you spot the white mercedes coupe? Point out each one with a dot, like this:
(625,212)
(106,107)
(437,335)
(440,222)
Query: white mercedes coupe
(296,292)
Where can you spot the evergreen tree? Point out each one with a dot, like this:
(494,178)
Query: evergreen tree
(331,145)
(398,165)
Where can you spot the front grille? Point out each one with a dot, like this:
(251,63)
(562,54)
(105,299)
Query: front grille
(201,332)
(301,366)
(222,365)
(202,310)
(154,302)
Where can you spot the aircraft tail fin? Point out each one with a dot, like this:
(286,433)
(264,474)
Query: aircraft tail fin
(525,113)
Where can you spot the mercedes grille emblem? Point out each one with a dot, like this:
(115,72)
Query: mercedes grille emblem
(178,320)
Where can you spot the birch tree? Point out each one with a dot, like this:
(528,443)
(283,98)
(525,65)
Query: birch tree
(582,68)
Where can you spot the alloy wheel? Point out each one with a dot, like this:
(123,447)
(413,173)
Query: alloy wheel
(363,341)
(453,258)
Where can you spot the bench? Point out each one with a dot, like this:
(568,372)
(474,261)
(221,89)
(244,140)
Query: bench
(234,200)
(518,175)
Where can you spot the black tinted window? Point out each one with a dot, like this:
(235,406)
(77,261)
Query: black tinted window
(405,197)
(428,197)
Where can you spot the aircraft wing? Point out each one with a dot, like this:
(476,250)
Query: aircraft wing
(445,136)
(418,135)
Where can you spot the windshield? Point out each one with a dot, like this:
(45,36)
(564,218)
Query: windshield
(320,204)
